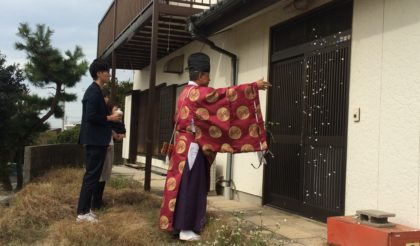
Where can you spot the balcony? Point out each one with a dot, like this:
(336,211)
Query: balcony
(126,29)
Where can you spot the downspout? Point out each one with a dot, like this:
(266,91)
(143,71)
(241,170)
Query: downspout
(227,192)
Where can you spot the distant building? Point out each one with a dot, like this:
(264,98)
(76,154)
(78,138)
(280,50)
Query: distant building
(68,126)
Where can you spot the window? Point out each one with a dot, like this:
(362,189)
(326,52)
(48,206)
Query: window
(166,117)
(164,110)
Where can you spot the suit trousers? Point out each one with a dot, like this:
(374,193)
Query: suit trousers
(98,193)
(95,157)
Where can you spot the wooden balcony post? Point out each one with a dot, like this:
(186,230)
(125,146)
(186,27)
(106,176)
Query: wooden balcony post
(113,55)
(152,84)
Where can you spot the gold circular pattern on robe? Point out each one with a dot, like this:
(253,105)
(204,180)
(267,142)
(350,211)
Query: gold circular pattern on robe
(183,138)
(194,95)
(215,132)
(232,95)
(235,132)
(254,130)
(197,132)
(185,111)
(171,184)
(208,149)
(226,148)
(181,166)
(212,97)
(202,114)
(181,146)
(242,112)
(249,93)
(247,148)
(164,222)
(264,145)
(172,203)
(223,114)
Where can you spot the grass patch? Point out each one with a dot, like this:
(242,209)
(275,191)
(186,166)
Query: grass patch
(121,182)
(43,213)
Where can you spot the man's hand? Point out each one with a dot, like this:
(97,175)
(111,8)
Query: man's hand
(263,85)
(113,117)
(119,137)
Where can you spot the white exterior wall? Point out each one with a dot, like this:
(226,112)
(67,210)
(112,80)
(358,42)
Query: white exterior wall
(127,120)
(383,157)
(252,49)
(383,165)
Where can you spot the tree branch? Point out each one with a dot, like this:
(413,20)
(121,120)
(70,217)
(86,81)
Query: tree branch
(47,115)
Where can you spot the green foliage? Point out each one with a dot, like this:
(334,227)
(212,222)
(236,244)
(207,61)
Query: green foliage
(16,114)
(46,65)
(48,137)
(11,91)
(48,68)
(122,88)
(69,136)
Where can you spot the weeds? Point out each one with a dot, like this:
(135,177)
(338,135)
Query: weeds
(237,231)
(43,213)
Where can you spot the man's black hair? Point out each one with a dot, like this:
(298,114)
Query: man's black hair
(98,65)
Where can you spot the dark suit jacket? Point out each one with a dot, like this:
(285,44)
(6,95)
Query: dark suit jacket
(95,129)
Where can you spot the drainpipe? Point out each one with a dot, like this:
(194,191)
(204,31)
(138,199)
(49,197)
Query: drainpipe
(227,192)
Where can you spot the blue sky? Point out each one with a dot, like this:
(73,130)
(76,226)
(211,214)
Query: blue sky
(75,22)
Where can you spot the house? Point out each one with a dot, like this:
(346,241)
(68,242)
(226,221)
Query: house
(343,113)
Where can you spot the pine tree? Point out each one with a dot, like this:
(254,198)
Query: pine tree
(46,68)
(12,91)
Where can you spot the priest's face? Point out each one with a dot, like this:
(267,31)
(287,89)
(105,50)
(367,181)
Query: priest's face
(203,79)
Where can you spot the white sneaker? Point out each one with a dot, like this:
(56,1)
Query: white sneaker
(189,236)
(86,218)
(92,214)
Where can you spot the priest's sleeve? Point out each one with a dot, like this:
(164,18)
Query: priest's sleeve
(228,119)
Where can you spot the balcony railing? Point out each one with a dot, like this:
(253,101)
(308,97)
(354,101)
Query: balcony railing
(127,12)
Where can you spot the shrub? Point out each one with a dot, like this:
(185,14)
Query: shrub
(69,136)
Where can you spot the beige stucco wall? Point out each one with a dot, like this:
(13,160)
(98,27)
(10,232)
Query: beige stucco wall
(383,165)
(252,49)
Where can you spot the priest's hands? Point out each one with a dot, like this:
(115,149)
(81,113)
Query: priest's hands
(263,85)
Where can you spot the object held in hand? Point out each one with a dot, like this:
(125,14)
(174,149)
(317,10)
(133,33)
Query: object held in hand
(119,112)
(262,157)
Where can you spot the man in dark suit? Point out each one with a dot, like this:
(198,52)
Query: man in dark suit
(95,134)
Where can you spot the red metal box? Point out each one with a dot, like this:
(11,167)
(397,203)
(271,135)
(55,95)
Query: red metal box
(347,231)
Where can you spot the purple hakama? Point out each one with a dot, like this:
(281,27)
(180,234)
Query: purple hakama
(191,203)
